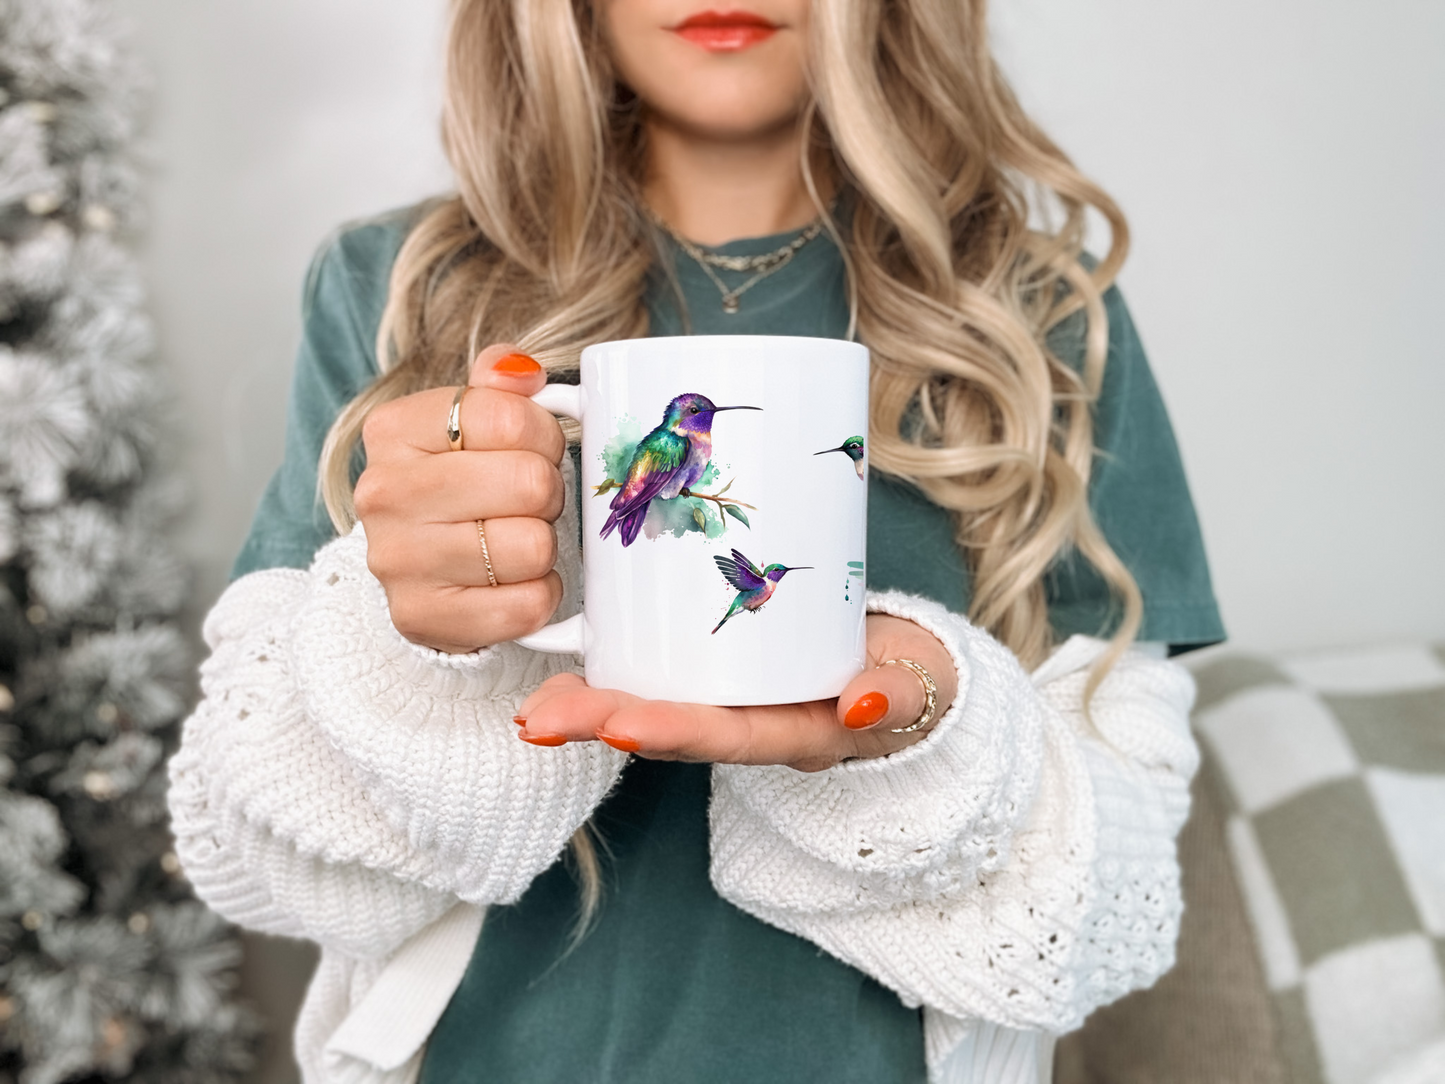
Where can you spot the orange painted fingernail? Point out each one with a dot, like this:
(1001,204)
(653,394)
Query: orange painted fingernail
(543,739)
(867,710)
(626,745)
(520,720)
(517,365)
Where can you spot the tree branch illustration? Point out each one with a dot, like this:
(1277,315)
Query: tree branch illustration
(732,506)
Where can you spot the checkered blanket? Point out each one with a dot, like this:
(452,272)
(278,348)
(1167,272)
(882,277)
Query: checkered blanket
(1333,770)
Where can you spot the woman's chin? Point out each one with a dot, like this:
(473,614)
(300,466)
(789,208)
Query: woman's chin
(740,119)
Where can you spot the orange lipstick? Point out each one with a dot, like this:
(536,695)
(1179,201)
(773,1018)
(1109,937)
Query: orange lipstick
(725,31)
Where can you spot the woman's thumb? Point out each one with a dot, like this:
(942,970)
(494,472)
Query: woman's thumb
(503,367)
(895,694)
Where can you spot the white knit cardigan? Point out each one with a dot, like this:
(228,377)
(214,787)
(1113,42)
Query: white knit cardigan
(1010,873)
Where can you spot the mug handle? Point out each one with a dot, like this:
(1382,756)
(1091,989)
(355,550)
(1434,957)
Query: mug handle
(565,637)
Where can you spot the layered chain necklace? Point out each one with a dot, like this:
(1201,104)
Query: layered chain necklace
(769,263)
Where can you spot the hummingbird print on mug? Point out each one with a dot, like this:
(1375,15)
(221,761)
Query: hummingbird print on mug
(754,585)
(853,449)
(657,476)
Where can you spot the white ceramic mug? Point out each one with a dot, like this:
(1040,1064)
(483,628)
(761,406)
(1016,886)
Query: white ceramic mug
(724,517)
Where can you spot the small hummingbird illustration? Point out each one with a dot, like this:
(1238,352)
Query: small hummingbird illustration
(853,449)
(755,585)
(666,462)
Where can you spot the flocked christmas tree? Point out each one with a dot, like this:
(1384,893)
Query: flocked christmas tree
(109,969)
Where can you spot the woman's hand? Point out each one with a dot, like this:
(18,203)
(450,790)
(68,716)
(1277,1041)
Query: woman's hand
(808,737)
(420,503)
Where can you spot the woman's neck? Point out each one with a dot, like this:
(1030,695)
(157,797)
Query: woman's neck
(712,190)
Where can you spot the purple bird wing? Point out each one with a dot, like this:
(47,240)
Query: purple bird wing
(658,458)
(740,572)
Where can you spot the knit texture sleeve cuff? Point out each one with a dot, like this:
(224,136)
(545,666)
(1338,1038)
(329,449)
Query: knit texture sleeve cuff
(1017,866)
(322,732)
(430,737)
(878,832)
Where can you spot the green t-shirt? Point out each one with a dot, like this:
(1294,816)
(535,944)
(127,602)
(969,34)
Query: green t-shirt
(673,983)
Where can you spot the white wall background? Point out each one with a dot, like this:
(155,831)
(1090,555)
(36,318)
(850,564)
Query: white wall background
(1281,164)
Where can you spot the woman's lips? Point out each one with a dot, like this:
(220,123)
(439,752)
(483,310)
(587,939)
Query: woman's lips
(725,31)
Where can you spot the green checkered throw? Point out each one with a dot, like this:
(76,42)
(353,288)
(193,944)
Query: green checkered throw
(1332,769)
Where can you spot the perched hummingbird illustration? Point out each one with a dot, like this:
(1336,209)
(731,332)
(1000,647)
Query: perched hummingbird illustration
(755,585)
(853,449)
(666,462)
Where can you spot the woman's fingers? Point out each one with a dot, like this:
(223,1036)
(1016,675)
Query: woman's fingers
(459,487)
(565,708)
(520,549)
(807,737)
(496,413)
(491,420)
(888,697)
(450,554)
(463,619)
(801,735)
(425,505)
(504,367)
(804,735)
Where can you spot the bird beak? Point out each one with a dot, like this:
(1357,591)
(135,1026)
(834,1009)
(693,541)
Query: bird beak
(716,409)
(825,451)
(796,568)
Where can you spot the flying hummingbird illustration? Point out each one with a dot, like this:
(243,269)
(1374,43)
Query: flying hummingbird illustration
(853,449)
(667,461)
(755,585)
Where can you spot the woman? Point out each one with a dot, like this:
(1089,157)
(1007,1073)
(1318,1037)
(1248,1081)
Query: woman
(814,892)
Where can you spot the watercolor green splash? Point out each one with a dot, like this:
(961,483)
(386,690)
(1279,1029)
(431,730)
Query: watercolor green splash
(617,452)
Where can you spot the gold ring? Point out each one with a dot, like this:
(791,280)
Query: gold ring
(454,419)
(930,695)
(486,557)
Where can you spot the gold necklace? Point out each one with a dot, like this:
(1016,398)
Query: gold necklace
(768,263)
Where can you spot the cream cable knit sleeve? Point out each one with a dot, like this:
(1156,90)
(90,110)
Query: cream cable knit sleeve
(341,784)
(1016,867)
